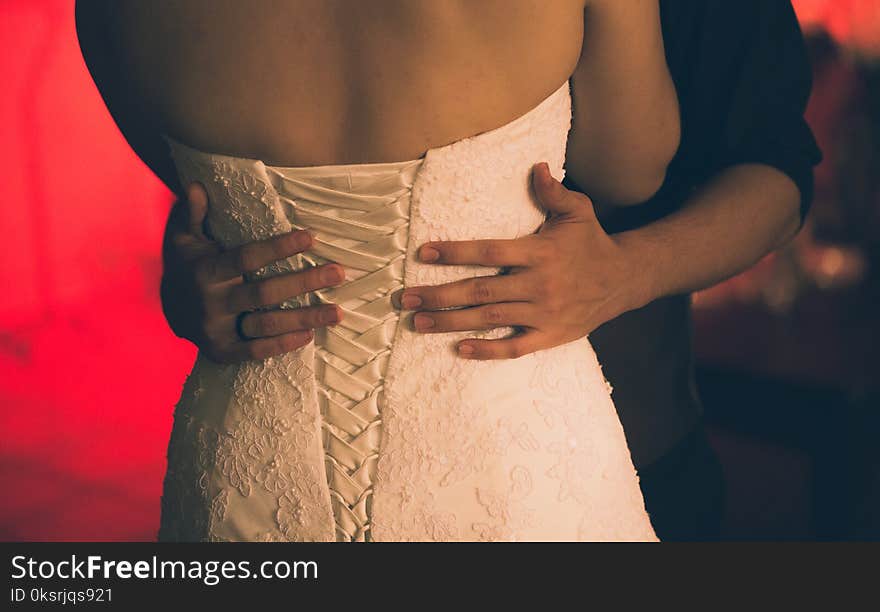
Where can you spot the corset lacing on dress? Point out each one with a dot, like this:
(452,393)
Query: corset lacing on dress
(359,217)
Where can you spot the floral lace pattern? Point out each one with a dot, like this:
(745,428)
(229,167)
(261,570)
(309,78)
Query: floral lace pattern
(376,431)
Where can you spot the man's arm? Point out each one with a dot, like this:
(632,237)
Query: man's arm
(626,126)
(732,222)
(92,27)
(762,183)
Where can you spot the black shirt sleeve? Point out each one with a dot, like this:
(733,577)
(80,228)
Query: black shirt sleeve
(743,79)
(765,120)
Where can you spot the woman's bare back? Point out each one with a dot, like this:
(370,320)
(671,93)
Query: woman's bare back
(376,431)
(315,82)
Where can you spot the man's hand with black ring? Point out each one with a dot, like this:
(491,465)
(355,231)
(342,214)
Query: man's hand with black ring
(204,292)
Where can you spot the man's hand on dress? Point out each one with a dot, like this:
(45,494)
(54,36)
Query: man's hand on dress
(563,282)
(204,291)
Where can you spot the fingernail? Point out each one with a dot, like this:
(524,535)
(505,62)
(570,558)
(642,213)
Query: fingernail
(423,322)
(410,301)
(333,275)
(429,254)
(465,349)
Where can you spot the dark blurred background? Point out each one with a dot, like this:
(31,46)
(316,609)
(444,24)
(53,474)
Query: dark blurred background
(788,353)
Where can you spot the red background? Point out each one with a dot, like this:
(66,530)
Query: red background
(89,371)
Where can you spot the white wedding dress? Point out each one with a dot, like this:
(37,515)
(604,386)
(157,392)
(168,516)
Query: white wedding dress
(374,431)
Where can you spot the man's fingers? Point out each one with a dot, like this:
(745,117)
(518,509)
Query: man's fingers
(554,196)
(497,253)
(264,324)
(197,207)
(489,316)
(255,255)
(277,289)
(514,347)
(467,292)
(263,348)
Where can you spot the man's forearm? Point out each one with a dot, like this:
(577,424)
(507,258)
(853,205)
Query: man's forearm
(627,125)
(737,218)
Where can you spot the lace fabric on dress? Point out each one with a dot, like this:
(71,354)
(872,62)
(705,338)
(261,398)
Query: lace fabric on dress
(374,431)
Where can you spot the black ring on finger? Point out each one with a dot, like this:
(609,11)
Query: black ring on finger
(239,329)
